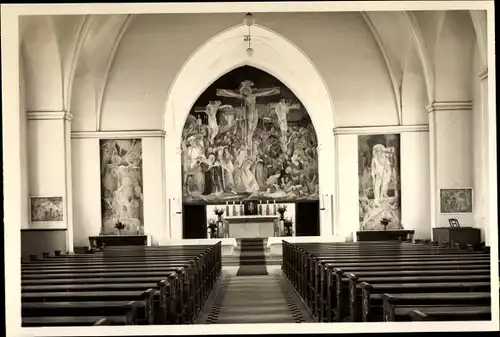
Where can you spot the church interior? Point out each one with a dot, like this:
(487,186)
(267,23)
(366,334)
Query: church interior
(263,167)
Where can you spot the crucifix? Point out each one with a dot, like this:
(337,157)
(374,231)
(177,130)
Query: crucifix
(248,95)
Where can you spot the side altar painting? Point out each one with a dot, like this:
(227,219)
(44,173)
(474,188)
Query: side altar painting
(121,186)
(379,181)
(248,137)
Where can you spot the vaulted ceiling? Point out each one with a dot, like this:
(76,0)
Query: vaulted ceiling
(61,53)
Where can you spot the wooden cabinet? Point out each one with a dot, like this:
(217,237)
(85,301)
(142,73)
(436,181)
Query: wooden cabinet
(461,235)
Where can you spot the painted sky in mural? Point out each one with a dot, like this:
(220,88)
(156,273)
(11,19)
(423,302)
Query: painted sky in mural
(249,137)
(121,192)
(379,181)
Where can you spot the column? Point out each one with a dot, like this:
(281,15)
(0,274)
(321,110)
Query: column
(450,141)
(489,160)
(49,176)
(326,180)
(173,189)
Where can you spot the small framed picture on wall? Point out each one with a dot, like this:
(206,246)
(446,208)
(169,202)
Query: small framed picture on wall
(455,200)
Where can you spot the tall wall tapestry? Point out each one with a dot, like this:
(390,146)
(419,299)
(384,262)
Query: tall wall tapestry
(121,187)
(456,200)
(249,137)
(379,181)
(46,209)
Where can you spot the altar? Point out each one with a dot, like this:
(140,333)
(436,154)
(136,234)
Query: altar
(252,226)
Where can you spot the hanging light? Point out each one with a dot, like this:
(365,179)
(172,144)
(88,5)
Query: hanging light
(249,21)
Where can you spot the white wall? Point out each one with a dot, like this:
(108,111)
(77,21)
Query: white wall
(23,120)
(46,158)
(153,182)
(348,186)
(86,164)
(454,157)
(155,47)
(86,189)
(415,178)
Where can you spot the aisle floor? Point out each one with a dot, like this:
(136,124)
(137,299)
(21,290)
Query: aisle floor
(254,299)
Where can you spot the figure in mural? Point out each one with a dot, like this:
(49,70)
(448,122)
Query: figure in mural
(249,95)
(239,151)
(122,196)
(281,109)
(379,180)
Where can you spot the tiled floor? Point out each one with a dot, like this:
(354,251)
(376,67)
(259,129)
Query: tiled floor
(254,299)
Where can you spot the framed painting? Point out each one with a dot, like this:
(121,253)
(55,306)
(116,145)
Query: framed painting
(455,200)
(46,209)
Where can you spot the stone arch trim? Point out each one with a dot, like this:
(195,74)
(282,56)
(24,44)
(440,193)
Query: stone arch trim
(273,54)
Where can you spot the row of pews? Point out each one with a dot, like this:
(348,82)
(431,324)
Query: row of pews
(389,281)
(127,285)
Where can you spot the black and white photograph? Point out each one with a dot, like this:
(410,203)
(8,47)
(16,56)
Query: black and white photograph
(249,167)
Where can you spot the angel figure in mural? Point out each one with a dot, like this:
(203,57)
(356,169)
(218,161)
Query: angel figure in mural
(382,172)
(249,95)
(281,109)
(193,153)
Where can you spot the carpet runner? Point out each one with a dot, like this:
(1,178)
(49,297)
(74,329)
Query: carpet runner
(254,299)
(252,258)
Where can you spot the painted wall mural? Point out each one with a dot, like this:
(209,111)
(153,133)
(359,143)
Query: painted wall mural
(47,209)
(456,200)
(122,188)
(248,137)
(379,181)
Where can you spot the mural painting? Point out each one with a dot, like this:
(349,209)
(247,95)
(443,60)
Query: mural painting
(248,137)
(45,209)
(379,181)
(122,187)
(456,200)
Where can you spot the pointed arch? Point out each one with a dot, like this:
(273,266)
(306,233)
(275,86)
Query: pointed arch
(273,54)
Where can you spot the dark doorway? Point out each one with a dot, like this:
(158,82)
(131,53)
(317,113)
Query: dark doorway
(194,224)
(307,218)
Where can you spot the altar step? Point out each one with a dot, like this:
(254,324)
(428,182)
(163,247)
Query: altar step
(234,259)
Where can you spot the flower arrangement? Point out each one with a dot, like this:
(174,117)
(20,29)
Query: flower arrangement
(385,222)
(212,225)
(281,209)
(219,211)
(287,224)
(120,226)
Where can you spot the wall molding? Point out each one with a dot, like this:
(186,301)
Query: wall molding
(122,134)
(49,115)
(449,106)
(383,129)
(483,74)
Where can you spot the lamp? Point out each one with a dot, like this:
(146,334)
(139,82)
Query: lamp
(249,21)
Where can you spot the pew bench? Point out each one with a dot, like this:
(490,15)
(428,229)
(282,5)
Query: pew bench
(373,308)
(393,302)
(64,321)
(117,312)
(449,313)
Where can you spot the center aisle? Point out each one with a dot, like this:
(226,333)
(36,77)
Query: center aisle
(254,299)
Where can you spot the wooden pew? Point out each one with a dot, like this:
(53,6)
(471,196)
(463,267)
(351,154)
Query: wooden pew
(448,313)
(396,305)
(54,321)
(372,302)
(116,312)
(355,294)
(74,278)
(308,271)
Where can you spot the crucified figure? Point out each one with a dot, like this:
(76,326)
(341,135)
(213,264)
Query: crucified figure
(282,108)
(248,94)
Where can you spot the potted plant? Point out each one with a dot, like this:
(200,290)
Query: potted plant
(219,212)
(212,225)
(385,222)
(287,225)
(281,210)
(120,226)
